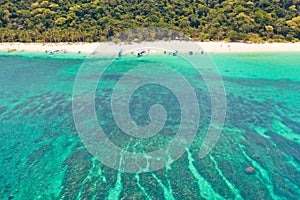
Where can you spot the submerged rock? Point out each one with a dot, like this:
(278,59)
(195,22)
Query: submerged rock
(250,170)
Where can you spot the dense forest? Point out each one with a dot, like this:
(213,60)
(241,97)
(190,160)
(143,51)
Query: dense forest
(98,20)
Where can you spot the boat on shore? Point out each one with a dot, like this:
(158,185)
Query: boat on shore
(175,53)
(52,52)
(11,50)
(120,53)
(142,53)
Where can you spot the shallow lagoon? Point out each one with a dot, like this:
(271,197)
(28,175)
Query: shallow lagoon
(43,157)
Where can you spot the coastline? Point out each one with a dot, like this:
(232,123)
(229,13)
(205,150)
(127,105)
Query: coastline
(182,46)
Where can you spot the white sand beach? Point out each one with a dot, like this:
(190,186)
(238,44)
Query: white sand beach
(181,46)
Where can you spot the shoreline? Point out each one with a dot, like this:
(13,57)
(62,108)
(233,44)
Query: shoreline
(110,48)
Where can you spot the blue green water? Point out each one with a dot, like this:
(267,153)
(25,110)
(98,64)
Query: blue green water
(42,156)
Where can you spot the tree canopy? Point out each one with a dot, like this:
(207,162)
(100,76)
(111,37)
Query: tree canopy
(97,20)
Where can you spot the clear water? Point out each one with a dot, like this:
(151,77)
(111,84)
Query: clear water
(42,156)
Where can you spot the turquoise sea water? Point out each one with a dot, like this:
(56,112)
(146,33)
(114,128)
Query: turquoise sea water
(42,156)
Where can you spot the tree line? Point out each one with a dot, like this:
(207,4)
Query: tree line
(98,20)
